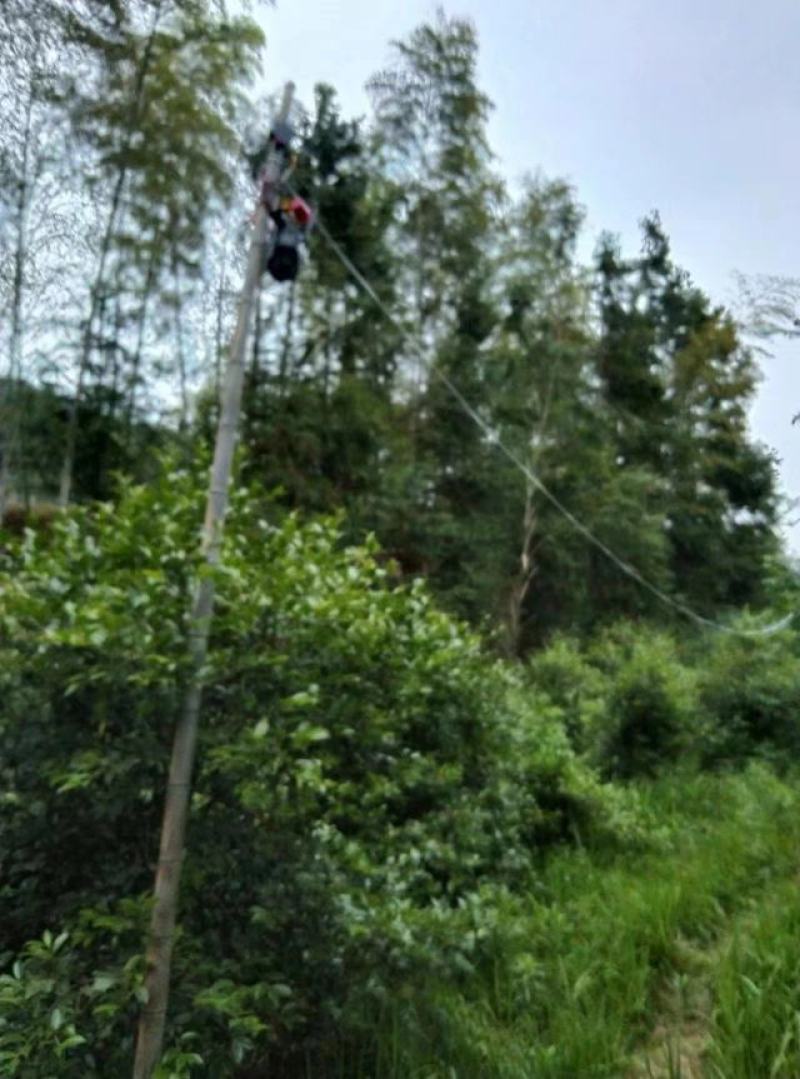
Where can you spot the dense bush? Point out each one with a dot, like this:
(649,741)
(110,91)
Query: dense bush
(750,697)
(650,707)
(365,771)
(373,790)
(575,686)
(626,700)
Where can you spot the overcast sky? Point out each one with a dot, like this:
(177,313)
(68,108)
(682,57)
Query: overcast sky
(689,107)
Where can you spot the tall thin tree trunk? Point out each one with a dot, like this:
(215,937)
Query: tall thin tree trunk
(258,328)
(136,363)
(159,954)
(116,353)
(162,925)
(286,347)
(255,369)
(12,390)
(219,347)
(328,347)
(183,420)
(419,372)
(524,576)
(96,298)
(5,448)
(521,583)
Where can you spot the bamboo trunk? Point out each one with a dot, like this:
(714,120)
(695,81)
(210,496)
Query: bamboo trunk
(11,392)
(162,926)
(130,407)
(524,576)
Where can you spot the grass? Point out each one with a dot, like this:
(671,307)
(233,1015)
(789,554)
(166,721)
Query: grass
(678,960)
(756,1021)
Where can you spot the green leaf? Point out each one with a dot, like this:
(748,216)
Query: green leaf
(102,983)
(306,698)
(307,735)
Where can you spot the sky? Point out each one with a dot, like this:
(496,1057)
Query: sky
(688,107)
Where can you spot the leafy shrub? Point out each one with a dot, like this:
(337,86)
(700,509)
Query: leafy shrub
(67,1004)
(364,770)
(574,685)
(651,704)
(750,696)
(37,1011)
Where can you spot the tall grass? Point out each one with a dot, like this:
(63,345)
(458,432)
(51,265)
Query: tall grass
(574,979)
(756,1022)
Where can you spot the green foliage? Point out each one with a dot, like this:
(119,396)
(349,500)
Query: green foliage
(577,687)
(318,419)
(365,768)
(108,446)
(37,1006)
(634,702)
(578,972)
(750,694)
(403,859)
(373,803)
(66,1000)
(651,702)
(679,381)
(755,1028)
(636,419)
(628,701)
(638,427)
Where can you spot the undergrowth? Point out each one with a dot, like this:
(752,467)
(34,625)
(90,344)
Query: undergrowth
(755,1027)
(577,971)
(407,859)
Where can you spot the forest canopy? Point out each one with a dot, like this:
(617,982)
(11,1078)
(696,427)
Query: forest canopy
(618,383)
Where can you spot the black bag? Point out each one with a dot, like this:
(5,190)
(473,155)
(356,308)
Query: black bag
(283,253)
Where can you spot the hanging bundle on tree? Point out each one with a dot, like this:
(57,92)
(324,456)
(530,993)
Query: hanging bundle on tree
(292,220)
(291,215)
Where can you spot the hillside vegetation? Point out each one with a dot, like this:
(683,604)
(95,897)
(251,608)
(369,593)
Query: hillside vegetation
(497,769)
(406,857)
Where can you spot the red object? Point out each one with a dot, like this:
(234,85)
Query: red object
(300,211)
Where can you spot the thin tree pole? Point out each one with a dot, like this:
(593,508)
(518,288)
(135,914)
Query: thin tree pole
(173,828)
(287,340)
(218,350)
(130,408)
(183,419)
(11,392)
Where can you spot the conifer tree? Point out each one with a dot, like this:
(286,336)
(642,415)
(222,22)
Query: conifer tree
(679,381)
